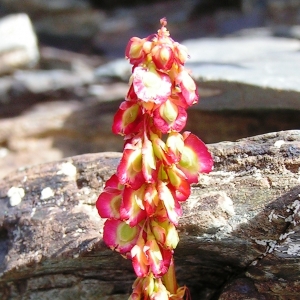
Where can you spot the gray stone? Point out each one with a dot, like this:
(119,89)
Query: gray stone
(33,6)
(18,43)
(83,23)
(247,72)
(43,81)
(116,69)
(239,233)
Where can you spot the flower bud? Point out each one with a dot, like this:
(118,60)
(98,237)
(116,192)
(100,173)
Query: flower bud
(169,117)
(134,50)
(188,87)
(163,57)
(127,118)
(181,53)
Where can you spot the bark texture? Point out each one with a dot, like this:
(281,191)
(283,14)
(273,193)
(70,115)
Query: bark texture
(240,230)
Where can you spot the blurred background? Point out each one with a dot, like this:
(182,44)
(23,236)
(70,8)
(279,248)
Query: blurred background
(63,72)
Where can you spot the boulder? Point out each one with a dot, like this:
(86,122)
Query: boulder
(247,72)
(18,43)
(239,230)
(34,7)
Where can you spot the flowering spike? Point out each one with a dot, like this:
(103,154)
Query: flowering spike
(141,201)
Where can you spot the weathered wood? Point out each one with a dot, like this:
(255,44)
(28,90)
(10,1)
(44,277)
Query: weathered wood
(240,236)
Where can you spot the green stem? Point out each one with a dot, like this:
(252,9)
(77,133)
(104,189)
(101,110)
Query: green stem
(169,279)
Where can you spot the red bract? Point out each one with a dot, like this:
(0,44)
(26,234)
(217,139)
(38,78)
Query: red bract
(159,259)
(150,85)
(132,207)
(171,204)
(163,57)
(120,236)
(149,162)
(181,53)
(139,259)
(127,118)
(108,203)
(169,117)
(129,170)
(134,50)
(187,87)
(162,152)
(141,201)
(195,158)
(151,199)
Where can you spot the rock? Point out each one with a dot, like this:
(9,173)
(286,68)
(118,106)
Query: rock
(239,230)
(257,72)
(33,6)
(62,75)
(25,88)
(56,129)
(18,43)
(79,24)
(119,69)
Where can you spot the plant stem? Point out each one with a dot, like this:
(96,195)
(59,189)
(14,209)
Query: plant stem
(169,279)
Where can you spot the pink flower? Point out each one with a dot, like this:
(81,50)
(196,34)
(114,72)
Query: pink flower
(108,204)
(120,236)
(159,259)
(129,170)
(132,208)
(169,117)
(165,233)
(150,85)
(175,145)
(109,201)
(139,259)
(160,292)
(179,184)
(127,119)
(151,199)
(195,158)
(148,161)
(181,53)
(187,87)
(162,151)
(163,56)
(134,50)
(171,204)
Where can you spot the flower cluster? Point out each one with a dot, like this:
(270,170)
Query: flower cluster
(141,201)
